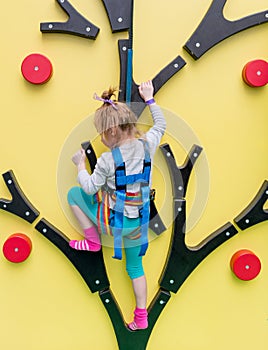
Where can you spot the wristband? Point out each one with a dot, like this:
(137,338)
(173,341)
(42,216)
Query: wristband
(149,102)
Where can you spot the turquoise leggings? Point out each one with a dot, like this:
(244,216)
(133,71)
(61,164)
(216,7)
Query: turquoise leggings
(77,196)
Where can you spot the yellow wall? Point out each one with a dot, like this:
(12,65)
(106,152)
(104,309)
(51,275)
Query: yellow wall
(44,302)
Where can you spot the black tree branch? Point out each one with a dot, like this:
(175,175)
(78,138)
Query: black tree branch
(254,213)
(214,28)
(75,25)
(19,205)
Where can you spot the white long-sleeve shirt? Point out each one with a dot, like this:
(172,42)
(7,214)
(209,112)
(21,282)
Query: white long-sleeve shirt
(133,155)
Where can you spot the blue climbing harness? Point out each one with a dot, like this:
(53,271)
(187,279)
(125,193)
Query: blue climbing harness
(121,182)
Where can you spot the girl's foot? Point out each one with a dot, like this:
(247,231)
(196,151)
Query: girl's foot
(85,244)
(91,242)
(133,326)
(140,320)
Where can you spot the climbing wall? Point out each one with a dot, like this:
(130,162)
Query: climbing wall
(207,261)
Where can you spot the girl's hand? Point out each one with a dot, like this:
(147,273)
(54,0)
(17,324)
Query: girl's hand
(79,159)
(146,90)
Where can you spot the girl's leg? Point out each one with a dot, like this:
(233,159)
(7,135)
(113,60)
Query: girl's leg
(76,198)
(136,273)
(140,291)
(81,217)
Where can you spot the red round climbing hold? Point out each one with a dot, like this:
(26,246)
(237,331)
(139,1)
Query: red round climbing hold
(17,247)
(255,73)
(36,68)
(245,265)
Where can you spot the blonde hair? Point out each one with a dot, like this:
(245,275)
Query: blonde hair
(115,114)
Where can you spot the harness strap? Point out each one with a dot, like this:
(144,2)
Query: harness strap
(145,219)
(103,213)
(118,224)
(132,199)
(119,204)
(121,182)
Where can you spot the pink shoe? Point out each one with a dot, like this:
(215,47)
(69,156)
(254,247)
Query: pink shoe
(133,326)
(140,320)
(86,245)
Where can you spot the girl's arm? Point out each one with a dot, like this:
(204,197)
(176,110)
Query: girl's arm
(154,135)
(90,183)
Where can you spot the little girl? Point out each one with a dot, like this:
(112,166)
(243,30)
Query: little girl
(122,178)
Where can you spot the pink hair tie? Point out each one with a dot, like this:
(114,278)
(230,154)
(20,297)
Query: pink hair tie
(104,100)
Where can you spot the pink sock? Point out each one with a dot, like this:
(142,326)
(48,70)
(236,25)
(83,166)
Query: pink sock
(140,320)
(91,242)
